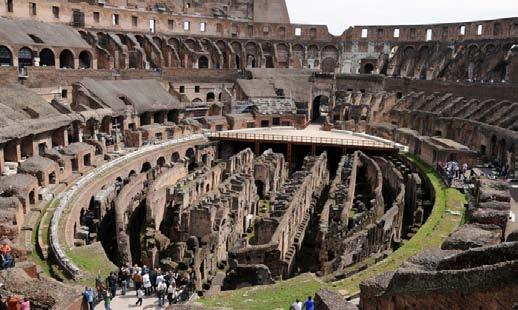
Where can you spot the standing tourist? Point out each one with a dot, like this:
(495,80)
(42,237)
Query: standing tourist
(13,303)
(147,284)
(89,297)
(26,304)
(107,301)
(140,295)
(161,290)
(309,304)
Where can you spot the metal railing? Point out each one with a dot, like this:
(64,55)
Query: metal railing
(301,139)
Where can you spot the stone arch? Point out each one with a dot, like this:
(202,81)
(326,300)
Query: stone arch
(32,198)
(318,109)
(298,55)
(161,161)
(66,59)
(132,174)
(197,100)
(6,57)
(146,167)
(190,155)
(328,65)
(211,97)
(85,60)
(368,68)
(175,157)
(282,55)
(47,58)
(203,62)
(268,52)
(25,57)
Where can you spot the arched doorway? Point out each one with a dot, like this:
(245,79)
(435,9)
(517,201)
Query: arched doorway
(66,60)
(203,62)
(191,159)
(175,157)
(25,58)
(368,68)
(145,167)
(6,58)
(85,60)
(260,188)
(211,97)
(328,65)
(320,109)
(161,161)
(47,58)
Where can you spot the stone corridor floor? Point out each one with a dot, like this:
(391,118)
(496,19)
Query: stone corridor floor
(123,302)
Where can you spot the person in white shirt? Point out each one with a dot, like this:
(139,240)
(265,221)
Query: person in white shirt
(297,305)
(147,284)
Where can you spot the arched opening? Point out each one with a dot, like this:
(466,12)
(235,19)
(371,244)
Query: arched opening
(220,96)
(205,159)
(132,174)
(145,167)
(47,58)
(197,100)
(320,109)
(328,65)
(368,68)
(32,197)
(160,162)
(52,178)
(145,119)
(175,157)
(172,116)
(260,188)
(25,58)
(251,63)
(85,60)
(211,97)
(6,58)
(203,62)
(191,159)
(87,160)
(66,60)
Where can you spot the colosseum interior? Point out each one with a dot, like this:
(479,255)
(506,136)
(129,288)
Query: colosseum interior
(217,139)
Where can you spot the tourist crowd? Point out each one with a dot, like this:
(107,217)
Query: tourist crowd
(171,286)
(15,302)
(455,171)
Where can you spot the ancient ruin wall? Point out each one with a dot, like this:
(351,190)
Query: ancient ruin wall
(290,214)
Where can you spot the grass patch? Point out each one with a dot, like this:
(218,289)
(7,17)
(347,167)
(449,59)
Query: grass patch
(93,261)
(276,296)
(37,254)
(440,224)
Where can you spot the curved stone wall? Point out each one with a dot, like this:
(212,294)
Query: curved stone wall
(66,215)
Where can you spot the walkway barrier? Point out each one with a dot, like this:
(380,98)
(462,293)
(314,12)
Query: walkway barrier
(301,139)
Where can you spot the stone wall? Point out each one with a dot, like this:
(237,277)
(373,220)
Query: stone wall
(285,227)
